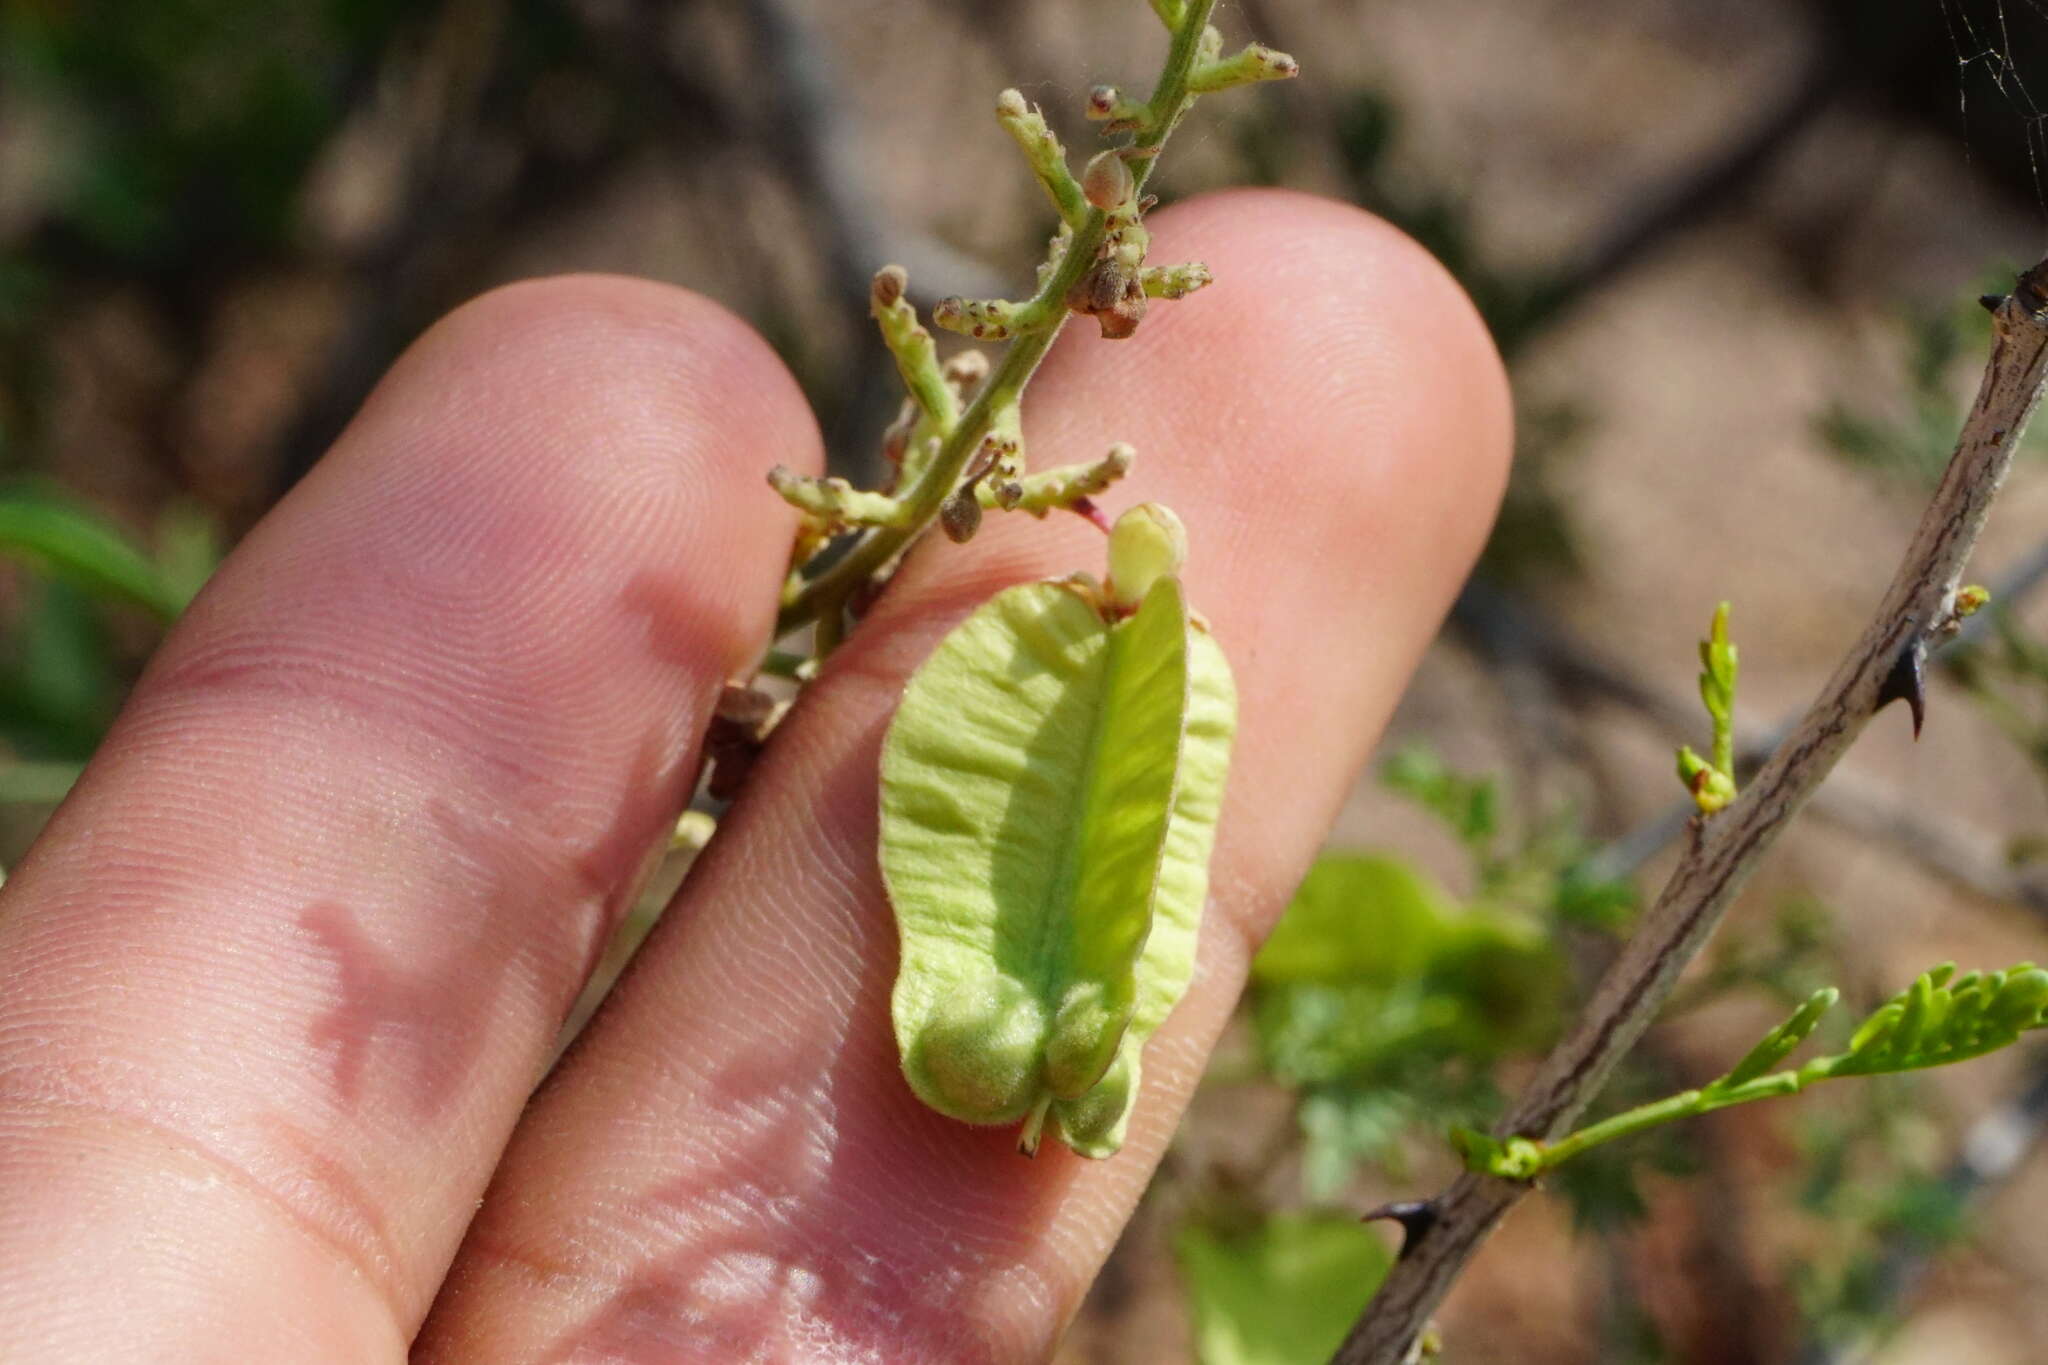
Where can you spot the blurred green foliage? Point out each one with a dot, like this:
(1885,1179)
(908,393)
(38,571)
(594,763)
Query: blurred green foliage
(1909,438)
(193,120)
(1867,1175)
(177,137)
(61,677)
(58,684)
(1386,1002)
(1280,1290)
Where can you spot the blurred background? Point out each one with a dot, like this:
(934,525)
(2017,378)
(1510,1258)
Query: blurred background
(1731,251)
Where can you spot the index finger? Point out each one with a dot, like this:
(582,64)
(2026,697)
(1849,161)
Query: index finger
(282,971)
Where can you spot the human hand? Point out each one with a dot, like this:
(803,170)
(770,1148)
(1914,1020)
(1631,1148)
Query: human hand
(277,981)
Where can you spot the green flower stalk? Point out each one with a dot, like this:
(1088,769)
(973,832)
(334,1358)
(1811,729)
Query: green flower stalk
(958,456)
(1712,784)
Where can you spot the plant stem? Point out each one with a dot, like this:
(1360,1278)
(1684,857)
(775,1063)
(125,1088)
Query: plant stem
(1687,1104)
(807,601)
(1917,611)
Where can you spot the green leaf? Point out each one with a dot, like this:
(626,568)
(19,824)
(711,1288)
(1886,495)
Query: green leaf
(1780,1041)
(78,547)
(1358,918)
(1050,787)
(1283,1292)
(1936,1021)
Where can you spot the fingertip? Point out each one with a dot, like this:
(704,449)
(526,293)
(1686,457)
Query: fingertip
(1332,350)
(590,408)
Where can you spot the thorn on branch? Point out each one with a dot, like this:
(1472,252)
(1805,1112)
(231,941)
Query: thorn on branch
(1415,1216)
(1696,896)
(1907,682)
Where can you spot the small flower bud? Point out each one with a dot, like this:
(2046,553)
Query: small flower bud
(1971,598)
(1106,182)
(1147,543)
(889,283)
(1011,104)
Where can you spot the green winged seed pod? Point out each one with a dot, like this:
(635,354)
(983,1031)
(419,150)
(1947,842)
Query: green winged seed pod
(1050,788)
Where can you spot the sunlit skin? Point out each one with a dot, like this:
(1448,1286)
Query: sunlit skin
(277,982)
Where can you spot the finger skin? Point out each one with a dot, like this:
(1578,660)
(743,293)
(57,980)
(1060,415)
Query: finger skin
(280,974)
(730,1166)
